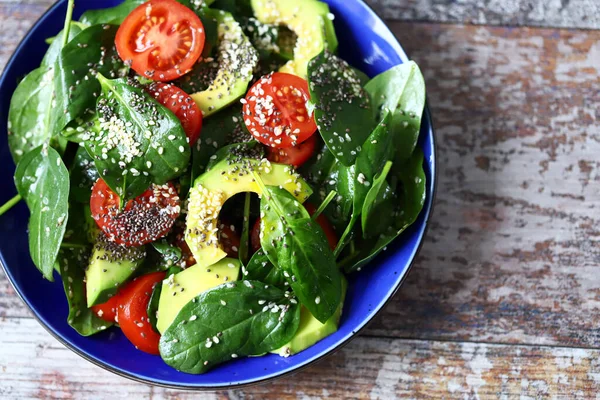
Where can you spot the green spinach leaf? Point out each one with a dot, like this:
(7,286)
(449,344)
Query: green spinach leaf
(42,180)
(113,15)
(379,202)
(57,44)
(410,199)
(401,90)
(297,245)
(90,53)
(83,176)
(233,320)
(171,255)
(137,141)
(260,268)
(342,107)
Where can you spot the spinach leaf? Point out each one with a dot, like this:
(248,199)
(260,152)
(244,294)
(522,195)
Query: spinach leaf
(42,180)
(233,320)
(75,130)
(113,15)
(92,52)
(410,200)
(72,261)
(342,107)
(83,176)
(400,89)
(226,126)
(297,245)
(30,112)
(379,202)
(170,254)
(57,44)
(137,141)
(152,308)
(259,268)
(238,8)
(245,238)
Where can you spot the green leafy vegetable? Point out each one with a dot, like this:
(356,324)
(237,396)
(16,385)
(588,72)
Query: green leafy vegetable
(401,90)
(42,180)
(114,15)
(71,262)
(83,176)
(170,254)
(245,238)
(137,141)
(342,107)
(152,308)
(411,198)
(378,202)
(260,268)
(233,320)
(57,44)
(298,246)
(92,52)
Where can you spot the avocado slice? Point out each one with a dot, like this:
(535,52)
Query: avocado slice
(310,330)
(110,266)
(227,74)
(310,20)
(226,179)
(179,289)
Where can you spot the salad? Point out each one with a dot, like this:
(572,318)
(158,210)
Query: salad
(204,174)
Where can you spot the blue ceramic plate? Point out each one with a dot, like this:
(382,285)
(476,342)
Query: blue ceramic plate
(366,43)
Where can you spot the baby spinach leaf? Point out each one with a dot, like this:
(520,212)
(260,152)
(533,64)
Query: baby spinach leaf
(42,180)
(378,202)
(343,109)
(170,254)
(152,308)
(298,246)
(57,44)
(90,53)
(260,268)
(410,200)
(29,114)
(83,176)
(226,126)
(400,89)
(113,15)
(233,320)
(137,141)
(71,262)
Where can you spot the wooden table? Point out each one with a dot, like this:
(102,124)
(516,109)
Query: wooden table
(504,300)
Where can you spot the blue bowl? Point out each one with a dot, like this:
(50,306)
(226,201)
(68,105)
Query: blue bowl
(366,43)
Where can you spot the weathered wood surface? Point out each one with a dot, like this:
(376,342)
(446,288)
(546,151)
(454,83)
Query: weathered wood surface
(583,14)
(544,13)
(507,285)
(34,365)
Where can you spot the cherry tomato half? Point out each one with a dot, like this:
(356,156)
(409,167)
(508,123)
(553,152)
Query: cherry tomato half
(295,155)
(182,105)
(161,39)
(321,220)
(229,239)
(108,311)
(275,110)
(144,219)
(132,314)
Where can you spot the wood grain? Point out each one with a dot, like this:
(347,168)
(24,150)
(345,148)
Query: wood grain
(34,365)
(542,13)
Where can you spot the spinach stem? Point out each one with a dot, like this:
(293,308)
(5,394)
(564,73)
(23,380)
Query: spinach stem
(68,18)
(73,245)
(324,204)
(345,236)
(10,204)
(245,230)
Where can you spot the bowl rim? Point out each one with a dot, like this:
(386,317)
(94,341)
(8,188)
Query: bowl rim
(428,209)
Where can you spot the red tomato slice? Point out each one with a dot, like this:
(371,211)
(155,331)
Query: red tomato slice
(321,220)
(108,311)
(144,219)
(132,312)
(255,236)
(182,105)
(275,110)
(229,239)
(161,39)
(296,155)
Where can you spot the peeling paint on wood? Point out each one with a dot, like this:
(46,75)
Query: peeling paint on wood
(35,365)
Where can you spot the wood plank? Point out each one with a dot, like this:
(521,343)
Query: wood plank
(542,13)
(513,246)
(34,365)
